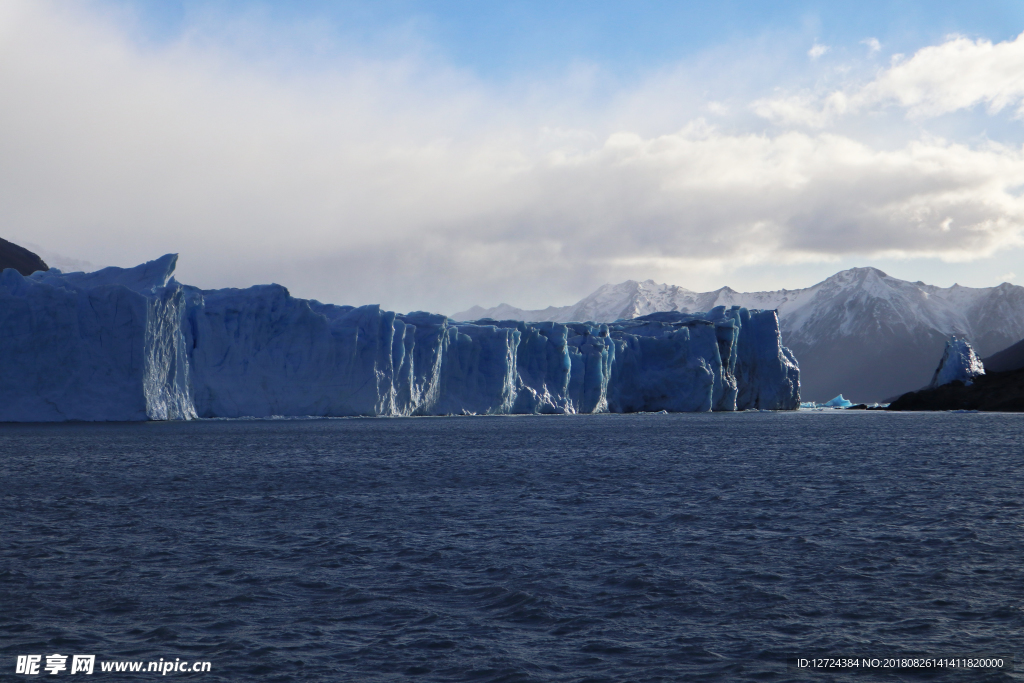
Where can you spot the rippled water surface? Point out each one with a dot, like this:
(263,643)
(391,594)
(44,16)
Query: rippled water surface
(597,548)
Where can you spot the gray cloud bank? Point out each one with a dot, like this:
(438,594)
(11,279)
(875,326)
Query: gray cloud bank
(412,184)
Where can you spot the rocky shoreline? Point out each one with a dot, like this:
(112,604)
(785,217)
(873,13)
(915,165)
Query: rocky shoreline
(994,391)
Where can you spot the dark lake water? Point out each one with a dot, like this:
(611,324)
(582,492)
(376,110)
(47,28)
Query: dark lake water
(593,548)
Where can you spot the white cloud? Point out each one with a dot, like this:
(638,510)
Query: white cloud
(955,75)
(717,108)
(702,194)
(817,50)
(958,74)
(807,110)
(410,183)
(873,45)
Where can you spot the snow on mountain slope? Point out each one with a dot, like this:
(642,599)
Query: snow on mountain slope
(859,332)
(632,299)
(993,313)
(868,335)
(506,312)
(862,299)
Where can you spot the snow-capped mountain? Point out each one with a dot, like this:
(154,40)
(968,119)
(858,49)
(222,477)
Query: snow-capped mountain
(860,332)
(631,299)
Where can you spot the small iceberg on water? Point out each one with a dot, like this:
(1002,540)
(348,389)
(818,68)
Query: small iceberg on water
(837,402)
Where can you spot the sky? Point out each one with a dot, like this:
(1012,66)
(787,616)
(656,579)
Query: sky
(437,155)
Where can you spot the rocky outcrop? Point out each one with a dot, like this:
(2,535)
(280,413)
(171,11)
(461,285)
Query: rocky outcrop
(19,258)
(961,383)
(995,391)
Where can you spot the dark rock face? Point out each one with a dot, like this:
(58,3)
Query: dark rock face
(19,258)
(994,391)
(1011,358)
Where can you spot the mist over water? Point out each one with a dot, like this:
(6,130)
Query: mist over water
(589,548)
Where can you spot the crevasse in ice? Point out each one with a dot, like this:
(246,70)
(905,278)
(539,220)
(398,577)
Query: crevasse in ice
(133,344)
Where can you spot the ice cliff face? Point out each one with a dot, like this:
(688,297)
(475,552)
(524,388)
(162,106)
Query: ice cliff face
(133,344)
(101,347)
(959,362)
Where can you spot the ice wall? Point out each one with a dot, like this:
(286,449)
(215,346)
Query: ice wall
(133,344)
(106,346)
(755,371)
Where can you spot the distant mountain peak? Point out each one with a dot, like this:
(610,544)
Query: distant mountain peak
(861,273)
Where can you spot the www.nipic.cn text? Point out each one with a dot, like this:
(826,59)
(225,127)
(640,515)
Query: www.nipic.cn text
(33,665)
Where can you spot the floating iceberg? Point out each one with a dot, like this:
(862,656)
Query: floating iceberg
(837,402)
(133,344)
(959,362)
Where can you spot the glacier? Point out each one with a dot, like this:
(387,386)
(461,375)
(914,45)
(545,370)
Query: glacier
(134,344)
(959,363)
